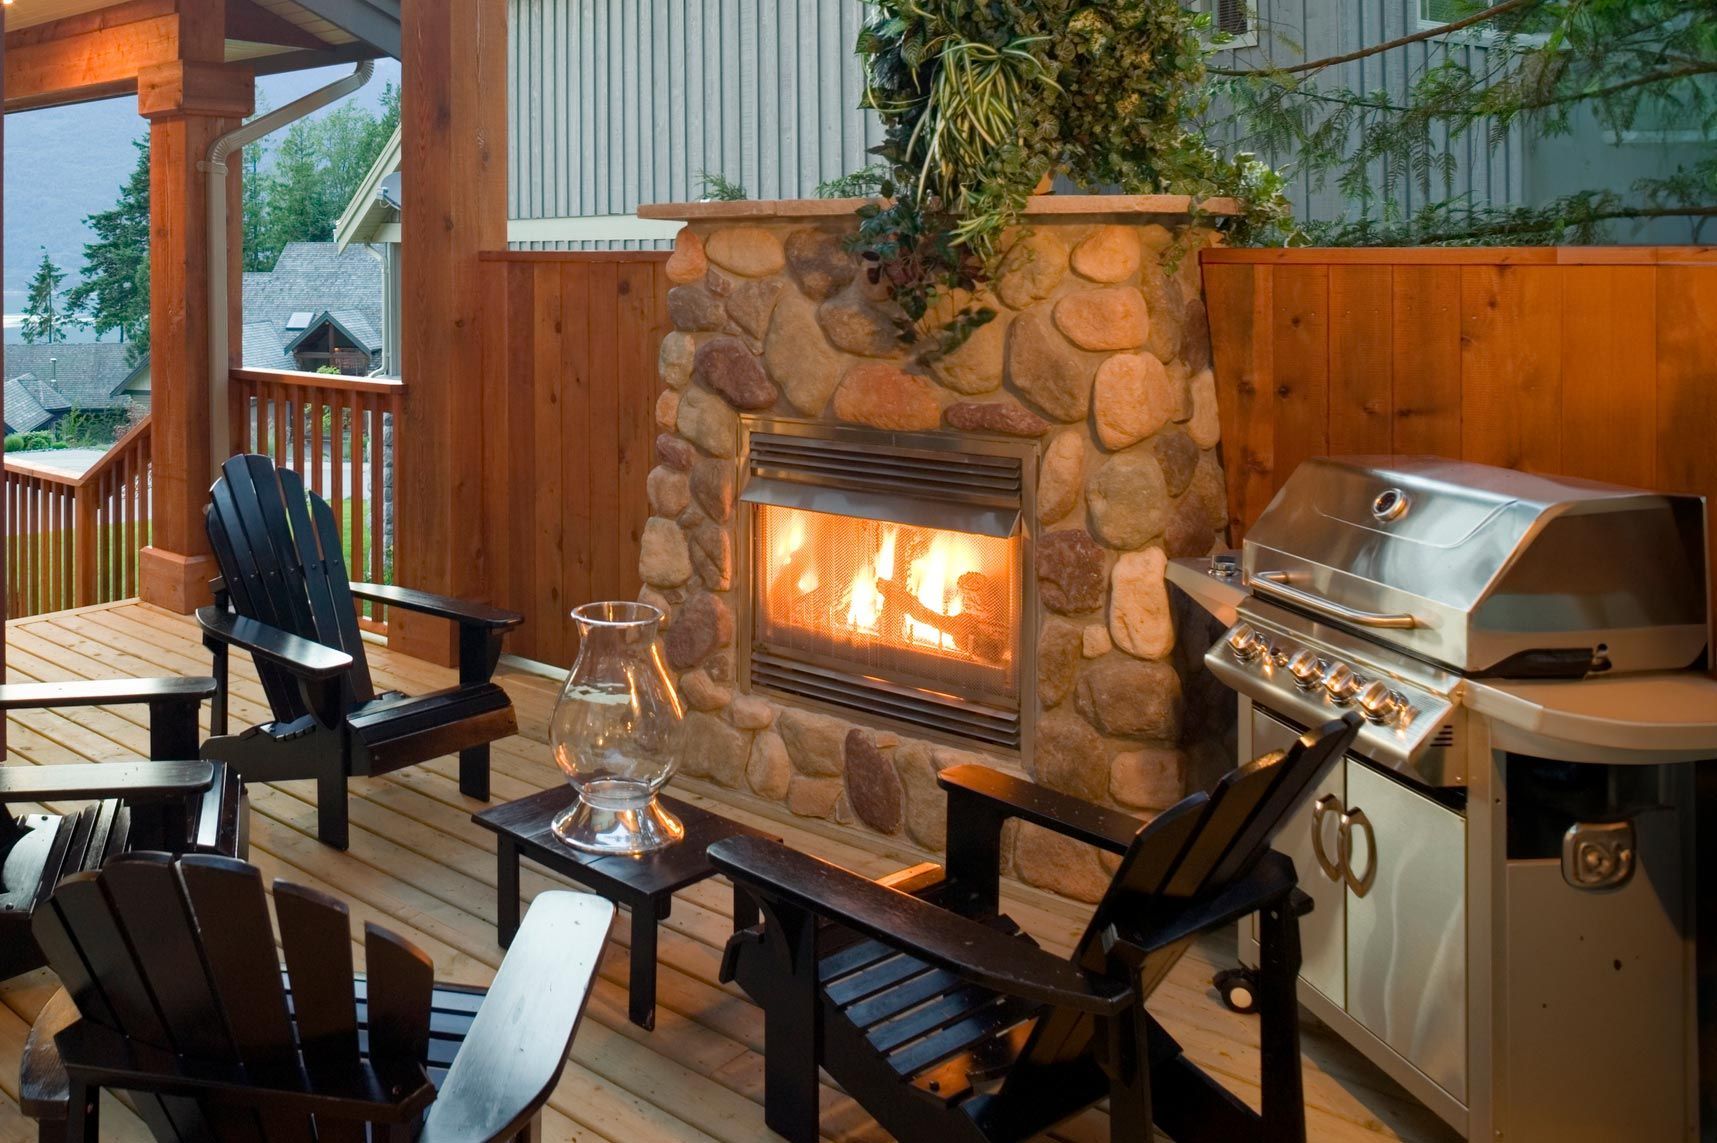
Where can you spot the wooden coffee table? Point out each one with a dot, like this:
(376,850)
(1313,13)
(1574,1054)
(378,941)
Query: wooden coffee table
(646,885)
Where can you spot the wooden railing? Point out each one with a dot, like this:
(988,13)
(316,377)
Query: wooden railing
(336,432)
(72,541)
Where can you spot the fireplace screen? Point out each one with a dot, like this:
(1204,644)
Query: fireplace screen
(885,574)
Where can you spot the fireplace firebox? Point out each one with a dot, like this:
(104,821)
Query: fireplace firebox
(885,573)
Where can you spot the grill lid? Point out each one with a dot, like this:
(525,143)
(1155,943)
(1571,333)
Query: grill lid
(1488,570)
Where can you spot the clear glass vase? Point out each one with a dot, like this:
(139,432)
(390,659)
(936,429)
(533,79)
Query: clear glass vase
(617,732)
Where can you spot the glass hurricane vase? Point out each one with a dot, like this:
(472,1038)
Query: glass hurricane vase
(617,732)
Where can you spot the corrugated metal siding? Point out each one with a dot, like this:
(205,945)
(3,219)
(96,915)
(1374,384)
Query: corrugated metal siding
(620,102)
(1294,30)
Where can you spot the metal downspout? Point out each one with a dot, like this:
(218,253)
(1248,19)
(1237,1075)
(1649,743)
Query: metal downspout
(215,166)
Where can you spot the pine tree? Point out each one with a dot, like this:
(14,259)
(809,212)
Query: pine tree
(45,317)
(114,291)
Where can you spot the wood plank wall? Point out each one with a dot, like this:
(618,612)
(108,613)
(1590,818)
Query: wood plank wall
(1591,362)
(569,428)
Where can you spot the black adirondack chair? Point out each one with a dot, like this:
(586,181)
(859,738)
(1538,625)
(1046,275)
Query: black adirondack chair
(173,802)
(178,997)
(951,1026)
(284,596)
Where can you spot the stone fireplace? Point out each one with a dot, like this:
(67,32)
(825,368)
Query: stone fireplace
(877,564)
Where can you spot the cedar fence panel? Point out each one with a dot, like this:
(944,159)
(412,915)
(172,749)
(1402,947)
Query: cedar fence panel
(1598,362)
(569,431)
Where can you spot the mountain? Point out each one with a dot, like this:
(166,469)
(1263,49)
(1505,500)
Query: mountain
(63,163)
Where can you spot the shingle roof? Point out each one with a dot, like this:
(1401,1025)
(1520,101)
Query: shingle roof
(89,375)
(24,413)
(313,277)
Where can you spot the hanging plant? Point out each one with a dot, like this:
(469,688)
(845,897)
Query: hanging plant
(981,99)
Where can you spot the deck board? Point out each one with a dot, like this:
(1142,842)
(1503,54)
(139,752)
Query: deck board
(419,866)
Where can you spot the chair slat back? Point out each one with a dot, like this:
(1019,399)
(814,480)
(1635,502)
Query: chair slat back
(1190,851)
(179,955)
(279,552)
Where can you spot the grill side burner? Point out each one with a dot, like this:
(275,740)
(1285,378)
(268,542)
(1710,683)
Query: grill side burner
(1502,868)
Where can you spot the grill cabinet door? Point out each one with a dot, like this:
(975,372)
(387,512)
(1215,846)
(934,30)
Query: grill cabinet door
(1322,937)
(1407,924)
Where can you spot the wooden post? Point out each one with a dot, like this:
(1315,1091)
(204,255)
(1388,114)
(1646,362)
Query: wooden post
(454,172)
(189,103)
(85,498)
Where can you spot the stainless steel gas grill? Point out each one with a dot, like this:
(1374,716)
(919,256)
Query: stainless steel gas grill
(1505,914)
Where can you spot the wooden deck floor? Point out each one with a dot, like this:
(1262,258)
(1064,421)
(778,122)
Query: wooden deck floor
(418,866)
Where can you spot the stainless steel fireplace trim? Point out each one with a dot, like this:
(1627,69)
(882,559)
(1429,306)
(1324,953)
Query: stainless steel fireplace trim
(1027,454)
(895,507)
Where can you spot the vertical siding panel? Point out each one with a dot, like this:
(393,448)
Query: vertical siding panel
(1609,373)
(1511,360)
(1300,357)
(1425,374)
(1230,291)
(1686,387)
(1361,347)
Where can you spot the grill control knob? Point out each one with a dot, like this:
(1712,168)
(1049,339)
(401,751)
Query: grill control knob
(1378,702)
(1246,643)
(1306,668)
(1341,683)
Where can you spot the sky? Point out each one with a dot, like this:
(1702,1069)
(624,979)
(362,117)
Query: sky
(52,184)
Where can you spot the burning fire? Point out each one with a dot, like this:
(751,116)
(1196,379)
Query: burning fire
(873,582)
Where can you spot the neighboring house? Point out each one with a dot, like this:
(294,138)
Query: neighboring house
(614,103)
(320,305)
(1527,167)
(46,382)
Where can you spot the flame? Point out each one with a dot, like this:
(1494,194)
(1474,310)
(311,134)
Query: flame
(870,583)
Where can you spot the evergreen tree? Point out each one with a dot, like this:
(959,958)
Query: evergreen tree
(114,291)
(317,168)
(1547,67)
(45,318)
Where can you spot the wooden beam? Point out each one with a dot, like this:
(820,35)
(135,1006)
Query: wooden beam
(93,56)
(453,161)
(245,21)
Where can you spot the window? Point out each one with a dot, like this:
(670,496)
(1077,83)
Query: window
(1447,11)
(1231,24)
(300,319)
(1526,28)
(1679,112)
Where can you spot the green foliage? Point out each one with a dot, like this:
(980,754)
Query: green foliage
(865,182)
(46,313)
(719,188)
(1548,68)
(113,291)
(39,441)
(317,168)
(983,99)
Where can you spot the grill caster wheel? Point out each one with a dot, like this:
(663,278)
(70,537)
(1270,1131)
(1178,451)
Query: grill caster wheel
(1239,989)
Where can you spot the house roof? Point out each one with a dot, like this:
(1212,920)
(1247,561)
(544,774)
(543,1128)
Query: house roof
(24,413)
(87,375)
(315,278)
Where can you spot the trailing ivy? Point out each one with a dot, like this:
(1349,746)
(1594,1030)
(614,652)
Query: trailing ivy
(982,100)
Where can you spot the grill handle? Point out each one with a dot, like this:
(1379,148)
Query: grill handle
(1276,585)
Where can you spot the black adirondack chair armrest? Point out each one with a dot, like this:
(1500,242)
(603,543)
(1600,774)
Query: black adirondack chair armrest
(462,611)
(513,1054)
(132,781)
(44,1090)
(947,940)
(1271,880)
(1104,828)
(293,653)
(102,1057)
(106,692)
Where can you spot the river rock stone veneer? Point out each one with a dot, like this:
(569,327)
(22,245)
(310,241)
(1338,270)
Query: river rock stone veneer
(1100,352)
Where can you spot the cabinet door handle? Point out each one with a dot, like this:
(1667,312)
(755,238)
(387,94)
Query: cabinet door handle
(1322,808)
(1356,819)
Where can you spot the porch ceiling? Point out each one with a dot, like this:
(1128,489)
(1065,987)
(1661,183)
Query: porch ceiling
(271,35)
